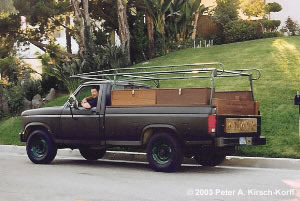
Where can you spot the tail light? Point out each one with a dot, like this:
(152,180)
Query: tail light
(212,123)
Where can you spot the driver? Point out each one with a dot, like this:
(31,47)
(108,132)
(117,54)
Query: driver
(91,101)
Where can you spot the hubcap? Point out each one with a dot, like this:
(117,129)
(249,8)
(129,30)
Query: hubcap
(161,153)
(38,147)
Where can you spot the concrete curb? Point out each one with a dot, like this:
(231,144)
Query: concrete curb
(233,161)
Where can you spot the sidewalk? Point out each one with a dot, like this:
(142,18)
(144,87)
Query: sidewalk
(233,161)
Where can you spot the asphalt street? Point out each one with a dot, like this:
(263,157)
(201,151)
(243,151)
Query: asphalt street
(74,179)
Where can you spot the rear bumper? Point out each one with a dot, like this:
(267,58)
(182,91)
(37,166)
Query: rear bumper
(22,137)
(245,141)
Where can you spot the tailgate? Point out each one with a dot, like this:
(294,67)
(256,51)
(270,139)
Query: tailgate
(239,130)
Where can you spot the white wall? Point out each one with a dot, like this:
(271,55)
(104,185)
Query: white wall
(30,51)
(289,8)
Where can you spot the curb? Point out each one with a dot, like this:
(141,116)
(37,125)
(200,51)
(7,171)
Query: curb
(232,161)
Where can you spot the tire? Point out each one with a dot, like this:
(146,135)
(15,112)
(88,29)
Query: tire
(92,154)
(209,160)
(40,147)
(164,153)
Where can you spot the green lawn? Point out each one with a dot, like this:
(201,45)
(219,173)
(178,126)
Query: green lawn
(60,100)
(9,130)
(279,61)
(11,127)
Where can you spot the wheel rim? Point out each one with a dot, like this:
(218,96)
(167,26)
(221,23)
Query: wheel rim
(38,147)
(161,153)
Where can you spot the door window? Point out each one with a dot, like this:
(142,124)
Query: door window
(84,92)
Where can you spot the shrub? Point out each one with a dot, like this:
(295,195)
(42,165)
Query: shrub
(271,25)
(270,34)
(273,7)
(291,27)
(241,30)
(15,98)
(48,80)
(31,88)
(10,68)
(139,40)
(225,11)
(110,56)
(64,71)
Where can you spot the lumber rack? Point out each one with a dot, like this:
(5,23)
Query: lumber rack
(170,72)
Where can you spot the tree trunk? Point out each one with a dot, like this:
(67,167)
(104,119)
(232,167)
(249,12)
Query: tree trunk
(124,29)
(79,21)
(195,24)
(86,14)
(150,32)
(68,36)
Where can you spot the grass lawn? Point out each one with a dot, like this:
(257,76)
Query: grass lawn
(11,127)
(60,100)
(9,130)
(279,61)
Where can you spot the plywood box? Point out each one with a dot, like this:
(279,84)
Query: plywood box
(133,97)
(181,97)
(234,95)
(235,107)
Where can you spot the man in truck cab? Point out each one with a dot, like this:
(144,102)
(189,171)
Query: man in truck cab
(91,101)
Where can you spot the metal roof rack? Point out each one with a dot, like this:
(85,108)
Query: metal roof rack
(169,72)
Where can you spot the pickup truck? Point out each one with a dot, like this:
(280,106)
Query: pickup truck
(168,131)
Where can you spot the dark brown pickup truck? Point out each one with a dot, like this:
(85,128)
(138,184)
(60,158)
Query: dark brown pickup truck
(169,123)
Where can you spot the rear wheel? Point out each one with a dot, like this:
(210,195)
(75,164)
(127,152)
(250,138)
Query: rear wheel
(92,154)
(164,153)
(210,160)
(40,147)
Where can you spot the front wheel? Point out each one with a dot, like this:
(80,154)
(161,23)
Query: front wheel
(92,154)
(40,147)
(164,153)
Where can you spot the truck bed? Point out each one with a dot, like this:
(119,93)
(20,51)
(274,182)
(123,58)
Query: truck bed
(127,123)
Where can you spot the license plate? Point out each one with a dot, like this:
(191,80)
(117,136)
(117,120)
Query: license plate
(243,140)
(240,125)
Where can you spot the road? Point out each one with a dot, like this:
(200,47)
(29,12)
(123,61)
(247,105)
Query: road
(74,179)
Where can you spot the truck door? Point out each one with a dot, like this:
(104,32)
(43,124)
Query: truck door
(83,126)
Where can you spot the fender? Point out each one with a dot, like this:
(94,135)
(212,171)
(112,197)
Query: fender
(160,126)
(38,124)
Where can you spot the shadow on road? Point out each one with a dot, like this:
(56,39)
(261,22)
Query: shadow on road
(141,166)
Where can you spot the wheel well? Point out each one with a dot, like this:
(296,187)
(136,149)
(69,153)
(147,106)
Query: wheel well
(32,128)
(148,133)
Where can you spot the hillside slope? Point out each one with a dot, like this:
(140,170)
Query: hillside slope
(279,61)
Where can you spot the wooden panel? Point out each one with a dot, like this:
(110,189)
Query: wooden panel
(206,27)
(234,95)
(235,107)
(133,97)
(187,96)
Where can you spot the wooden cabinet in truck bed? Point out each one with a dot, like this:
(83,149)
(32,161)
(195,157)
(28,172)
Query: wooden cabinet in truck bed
(227,103)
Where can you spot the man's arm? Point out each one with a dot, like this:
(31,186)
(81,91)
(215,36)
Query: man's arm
(85,104)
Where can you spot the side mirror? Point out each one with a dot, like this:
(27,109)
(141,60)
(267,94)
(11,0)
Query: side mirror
(73,102)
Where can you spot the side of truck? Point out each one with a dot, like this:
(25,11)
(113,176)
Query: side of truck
(168,123)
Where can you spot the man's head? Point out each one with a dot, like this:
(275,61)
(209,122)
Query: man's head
(95,91)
